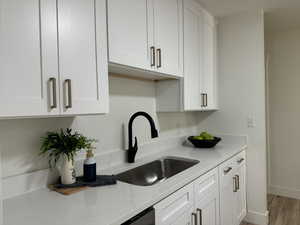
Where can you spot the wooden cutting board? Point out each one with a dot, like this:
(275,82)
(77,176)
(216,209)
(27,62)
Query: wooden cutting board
(67,191)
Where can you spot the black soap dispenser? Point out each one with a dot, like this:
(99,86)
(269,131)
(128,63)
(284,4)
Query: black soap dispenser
(90,167)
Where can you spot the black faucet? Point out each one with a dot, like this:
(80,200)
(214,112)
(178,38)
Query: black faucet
(132,150)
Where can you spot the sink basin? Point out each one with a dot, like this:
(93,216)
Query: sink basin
(156,171)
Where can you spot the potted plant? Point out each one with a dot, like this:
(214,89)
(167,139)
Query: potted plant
(62,147)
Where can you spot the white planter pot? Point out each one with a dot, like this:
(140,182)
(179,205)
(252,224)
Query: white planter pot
(67,172)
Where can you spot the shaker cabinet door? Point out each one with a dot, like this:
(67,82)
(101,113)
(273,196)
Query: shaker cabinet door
(176,209)
(28,58)
(193,23)
(209,64)
(168,36)
(83,56)
(227,196)
(130,29)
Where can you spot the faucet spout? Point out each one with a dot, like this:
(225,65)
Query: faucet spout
(132,149)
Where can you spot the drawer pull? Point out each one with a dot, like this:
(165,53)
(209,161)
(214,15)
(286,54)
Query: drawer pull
(240,160)
(227,170)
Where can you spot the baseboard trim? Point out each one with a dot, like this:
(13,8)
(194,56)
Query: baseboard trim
(257,218)
(284,191)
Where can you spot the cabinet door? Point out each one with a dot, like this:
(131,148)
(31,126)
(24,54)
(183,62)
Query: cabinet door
(176,209)
(209,60)
(83,56)
(130,32)
(227,197)
(193,23)
(208,210)
(28,58)
(168,36)
(207,198)
(241,209)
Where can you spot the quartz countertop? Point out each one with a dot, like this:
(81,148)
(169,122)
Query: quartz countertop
(113,205)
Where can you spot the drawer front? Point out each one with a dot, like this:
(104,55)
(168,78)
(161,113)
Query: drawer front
(227,169)
(206,185)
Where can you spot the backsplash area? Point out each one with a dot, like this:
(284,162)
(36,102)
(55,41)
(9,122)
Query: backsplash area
(20,139)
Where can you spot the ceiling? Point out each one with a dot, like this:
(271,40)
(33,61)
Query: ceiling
(280,14)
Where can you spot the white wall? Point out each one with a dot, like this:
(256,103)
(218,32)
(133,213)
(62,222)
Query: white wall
(283,49)
(242,95)
(1,206)
(20,139)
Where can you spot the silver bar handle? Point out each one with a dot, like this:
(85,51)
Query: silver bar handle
(202,100)
(206,100)
(68,83)
(240,160)
(152,49)
(199,211)
(237,182)
(227,170)
(234,184)
(53,104)
(194,219)
(159,58)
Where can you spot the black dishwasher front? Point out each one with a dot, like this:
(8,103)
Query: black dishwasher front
(147,217)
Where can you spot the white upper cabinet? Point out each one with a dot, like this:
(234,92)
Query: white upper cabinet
(197,90)
(168,36)
(146,36)
(208,74)
(28,58)
(129,23)
(193,39)
(53,54)
(82,56)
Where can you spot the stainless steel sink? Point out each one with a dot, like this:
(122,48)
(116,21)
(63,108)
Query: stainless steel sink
(156,171)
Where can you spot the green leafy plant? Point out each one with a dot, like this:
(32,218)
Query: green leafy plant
(64,143)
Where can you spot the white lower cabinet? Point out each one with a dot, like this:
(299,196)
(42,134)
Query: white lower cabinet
(233,190)
(216,198)
(176,209)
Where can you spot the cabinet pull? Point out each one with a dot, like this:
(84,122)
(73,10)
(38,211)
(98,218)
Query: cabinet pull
(68,83)
(53,104)
(227,170)
(237,182)
(159,58)
(206,100)
(240,160)
(234,184)
(194,219)
(202,100)
(199,211)
(152,49)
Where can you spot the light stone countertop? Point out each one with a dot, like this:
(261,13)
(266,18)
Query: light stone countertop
(113,205)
